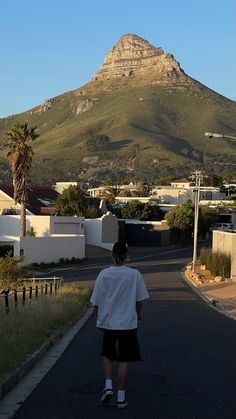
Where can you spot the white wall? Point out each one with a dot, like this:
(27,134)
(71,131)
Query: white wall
(172,195)
(126,199)
(93,231)
(9,225)
(56,237)
(44,225)
(226,242)
(51,249)
(99,229)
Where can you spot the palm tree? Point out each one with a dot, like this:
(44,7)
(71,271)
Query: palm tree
(111,191)
(18,143)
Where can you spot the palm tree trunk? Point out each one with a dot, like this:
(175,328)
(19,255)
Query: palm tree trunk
(23,219)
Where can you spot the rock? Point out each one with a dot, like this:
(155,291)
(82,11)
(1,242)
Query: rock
(44,107)
(218,278)
(133,56)
(84,105)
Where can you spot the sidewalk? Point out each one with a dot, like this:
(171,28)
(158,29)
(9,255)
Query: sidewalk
(221,295)
(224,294)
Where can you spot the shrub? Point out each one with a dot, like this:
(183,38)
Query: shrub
(6,249)
(219,263)
(205,255)
(98,142)
(10,272)
(31,232)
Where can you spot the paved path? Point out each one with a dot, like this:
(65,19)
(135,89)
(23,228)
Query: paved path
(189,368)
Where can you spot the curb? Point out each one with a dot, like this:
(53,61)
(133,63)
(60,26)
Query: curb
(211,302)
(33,359)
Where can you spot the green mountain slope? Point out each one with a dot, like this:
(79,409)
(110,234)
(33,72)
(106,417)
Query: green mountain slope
(155,129)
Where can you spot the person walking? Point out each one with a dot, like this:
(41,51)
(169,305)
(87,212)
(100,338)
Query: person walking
(118,295)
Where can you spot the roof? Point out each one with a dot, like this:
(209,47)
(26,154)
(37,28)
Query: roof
(182,180)
(38,197)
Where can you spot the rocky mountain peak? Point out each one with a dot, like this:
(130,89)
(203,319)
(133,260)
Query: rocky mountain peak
(134,56)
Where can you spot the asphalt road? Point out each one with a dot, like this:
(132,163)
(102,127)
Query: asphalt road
(188,369)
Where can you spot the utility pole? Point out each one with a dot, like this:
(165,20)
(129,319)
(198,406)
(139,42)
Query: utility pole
(197,176)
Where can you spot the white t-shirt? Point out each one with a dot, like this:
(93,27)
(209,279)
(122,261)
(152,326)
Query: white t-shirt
(116,291)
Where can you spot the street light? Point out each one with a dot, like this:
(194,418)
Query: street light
(197,176)
(216,135)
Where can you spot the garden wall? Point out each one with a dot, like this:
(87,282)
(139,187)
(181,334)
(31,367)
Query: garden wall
(226,242)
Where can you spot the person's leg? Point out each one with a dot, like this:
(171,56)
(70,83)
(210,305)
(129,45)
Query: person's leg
(122,378)
(122,375)
(107,368)
(128,351)
(107,371)
(108,354)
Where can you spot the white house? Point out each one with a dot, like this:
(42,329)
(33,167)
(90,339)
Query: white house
(56,237)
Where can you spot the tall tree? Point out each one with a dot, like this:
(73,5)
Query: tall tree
(112,190)
(181,219)
(74,201)
(19,140)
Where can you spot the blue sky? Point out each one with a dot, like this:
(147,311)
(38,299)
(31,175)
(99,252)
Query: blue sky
(53,46)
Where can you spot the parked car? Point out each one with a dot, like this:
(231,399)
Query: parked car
(221,226)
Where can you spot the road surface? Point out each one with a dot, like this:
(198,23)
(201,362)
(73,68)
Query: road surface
(189,352)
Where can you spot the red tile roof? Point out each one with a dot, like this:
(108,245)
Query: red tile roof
(38,197)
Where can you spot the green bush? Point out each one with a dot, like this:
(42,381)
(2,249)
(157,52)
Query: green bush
(6,249)
(10,272)
(219,263)
(205,256)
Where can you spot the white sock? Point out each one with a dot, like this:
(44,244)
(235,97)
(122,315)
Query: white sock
(121,395)
(108,383)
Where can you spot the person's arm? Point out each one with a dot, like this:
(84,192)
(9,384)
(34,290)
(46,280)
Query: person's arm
(139,309)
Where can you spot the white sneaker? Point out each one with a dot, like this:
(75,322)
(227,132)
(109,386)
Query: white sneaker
(122,405)
(107,395)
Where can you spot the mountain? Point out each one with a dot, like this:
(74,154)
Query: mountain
(154,114)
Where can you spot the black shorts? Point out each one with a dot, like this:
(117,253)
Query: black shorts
(121,345)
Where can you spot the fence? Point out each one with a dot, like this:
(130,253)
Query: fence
(33,291)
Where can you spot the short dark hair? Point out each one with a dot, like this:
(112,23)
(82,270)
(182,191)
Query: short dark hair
(119,252)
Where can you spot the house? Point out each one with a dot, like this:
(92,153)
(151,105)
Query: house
(61,186)
(180,183)
(55,237)
(41,200)
(100,191)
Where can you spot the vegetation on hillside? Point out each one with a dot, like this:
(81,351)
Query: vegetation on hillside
(162,135)
(98,142)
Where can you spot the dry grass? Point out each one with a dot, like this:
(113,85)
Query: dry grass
(26,328)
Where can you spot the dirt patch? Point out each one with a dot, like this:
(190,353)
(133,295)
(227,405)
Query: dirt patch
(200,276)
